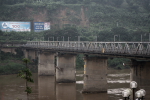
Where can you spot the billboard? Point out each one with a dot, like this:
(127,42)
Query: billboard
(15,26)
(41,26)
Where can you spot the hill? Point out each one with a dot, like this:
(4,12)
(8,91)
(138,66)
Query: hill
(92,14)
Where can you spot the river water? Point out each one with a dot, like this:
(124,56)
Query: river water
(45,87)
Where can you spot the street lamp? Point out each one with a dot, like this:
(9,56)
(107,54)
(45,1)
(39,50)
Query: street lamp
(141,37)
(133,85)
(140,94)
(126,93)
(79,38)
(57,38)
(149,37)
(68,38)
(115,37)
(96,38)
(63,38)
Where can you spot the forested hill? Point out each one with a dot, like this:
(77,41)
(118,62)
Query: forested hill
(93,14)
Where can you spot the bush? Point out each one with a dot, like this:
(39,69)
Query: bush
(11,68)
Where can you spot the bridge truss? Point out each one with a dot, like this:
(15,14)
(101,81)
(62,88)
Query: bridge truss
(141,49)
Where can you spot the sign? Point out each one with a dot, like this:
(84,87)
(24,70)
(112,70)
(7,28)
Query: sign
(41,26)
(15,26)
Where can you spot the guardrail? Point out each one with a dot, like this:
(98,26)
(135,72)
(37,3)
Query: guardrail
(130,48)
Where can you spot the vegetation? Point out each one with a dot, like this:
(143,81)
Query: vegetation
(11,63)
(26,74)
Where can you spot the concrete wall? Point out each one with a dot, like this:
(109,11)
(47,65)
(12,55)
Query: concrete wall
(46,63)
(65,71)
(95,75)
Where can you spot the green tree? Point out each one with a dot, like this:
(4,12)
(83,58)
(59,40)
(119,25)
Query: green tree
(26,74)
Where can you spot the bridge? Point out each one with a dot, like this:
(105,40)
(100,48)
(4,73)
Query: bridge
(59,58)
(128,49)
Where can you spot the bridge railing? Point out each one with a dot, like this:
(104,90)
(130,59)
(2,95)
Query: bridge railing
(134,48)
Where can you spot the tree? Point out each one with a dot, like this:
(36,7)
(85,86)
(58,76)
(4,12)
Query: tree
(26,74)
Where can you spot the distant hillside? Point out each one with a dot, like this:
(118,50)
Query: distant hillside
(99,15)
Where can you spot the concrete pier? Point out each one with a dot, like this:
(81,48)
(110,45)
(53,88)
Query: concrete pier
(65,68)
(26,53)
(140,72)
(46,63)
(95,75)
(32,54)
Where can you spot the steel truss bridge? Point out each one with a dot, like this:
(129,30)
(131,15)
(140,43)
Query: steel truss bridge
(128,49)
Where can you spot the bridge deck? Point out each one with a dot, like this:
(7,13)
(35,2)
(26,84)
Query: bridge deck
(128,49)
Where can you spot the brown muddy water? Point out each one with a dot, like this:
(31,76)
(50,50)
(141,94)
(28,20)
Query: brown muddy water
(45,87)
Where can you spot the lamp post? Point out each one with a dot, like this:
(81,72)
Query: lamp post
(149,37)
(68,38)
(79,38)
(126,94)
(141,37)
(57,38)
(96,38)
(133,85)
(115,37)
(63,38)
(140,94)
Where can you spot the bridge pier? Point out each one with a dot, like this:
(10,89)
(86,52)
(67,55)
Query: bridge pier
(140,73)
(95,75)
(25,52)
(46,63)
(65,68)
(32,54)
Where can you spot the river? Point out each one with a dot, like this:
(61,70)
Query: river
(45,87)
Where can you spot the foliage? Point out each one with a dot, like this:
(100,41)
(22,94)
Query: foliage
(26,74)
(79,61)
(11,64)
(11,68)
(117,63)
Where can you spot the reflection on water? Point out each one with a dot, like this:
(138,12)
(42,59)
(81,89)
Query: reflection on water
(45,88)
(66,91)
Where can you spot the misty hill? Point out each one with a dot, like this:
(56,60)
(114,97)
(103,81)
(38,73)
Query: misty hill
(92,14)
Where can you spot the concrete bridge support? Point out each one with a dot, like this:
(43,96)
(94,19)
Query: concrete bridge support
(32,54)
(26,53)
(65,68)
(46,63)
(95,75)
(140,73)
